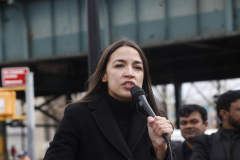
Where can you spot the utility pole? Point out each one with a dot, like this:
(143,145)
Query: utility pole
(93,35)
(30,114)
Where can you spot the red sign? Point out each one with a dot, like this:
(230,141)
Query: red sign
(14,76)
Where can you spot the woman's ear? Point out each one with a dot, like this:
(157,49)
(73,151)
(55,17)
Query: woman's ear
(104,78)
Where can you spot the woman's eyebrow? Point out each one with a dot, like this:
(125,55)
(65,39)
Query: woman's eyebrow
(119,60)
(122,60)
(138,62)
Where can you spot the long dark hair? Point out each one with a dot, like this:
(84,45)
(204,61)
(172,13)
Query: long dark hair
(97,89)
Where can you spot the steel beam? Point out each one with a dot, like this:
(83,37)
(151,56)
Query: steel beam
(229,16)
(93,35)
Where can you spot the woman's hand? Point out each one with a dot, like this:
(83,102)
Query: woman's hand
(158,126)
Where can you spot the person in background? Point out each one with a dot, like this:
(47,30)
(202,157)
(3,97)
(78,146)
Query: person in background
(192,121)
(225,143)
(23,156)
(13,152)
(106,124)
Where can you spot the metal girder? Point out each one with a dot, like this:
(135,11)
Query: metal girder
(45,112)
(93,35)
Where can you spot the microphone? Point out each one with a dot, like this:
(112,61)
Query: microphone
(138,95)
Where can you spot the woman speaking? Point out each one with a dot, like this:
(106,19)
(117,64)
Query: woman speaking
(106,124)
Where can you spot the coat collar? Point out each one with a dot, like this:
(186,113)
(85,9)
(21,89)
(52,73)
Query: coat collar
(218,146)
(106,122)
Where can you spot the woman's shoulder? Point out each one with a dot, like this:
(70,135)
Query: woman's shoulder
(76,107)
(84,107)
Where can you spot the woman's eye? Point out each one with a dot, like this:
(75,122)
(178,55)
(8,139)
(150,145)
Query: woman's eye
(138,68)
(118,66)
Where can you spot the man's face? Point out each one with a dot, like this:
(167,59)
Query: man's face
(234,115)
(192,125)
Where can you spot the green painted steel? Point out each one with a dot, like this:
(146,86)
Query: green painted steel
(35,30)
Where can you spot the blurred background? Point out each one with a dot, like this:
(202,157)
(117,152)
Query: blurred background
(193,49)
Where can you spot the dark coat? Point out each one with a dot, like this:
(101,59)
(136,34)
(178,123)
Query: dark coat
(210,147)
(90,132)
(177,151)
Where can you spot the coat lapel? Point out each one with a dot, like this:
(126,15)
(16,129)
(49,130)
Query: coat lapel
(138,127)
(107,124)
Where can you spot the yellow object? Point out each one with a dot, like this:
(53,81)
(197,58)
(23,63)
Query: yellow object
(12,118)
(7,103)
(1,145)
(20,88)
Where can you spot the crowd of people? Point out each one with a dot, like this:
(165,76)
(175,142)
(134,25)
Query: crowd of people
(222,145)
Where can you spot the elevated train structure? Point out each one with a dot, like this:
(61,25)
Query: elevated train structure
(184,40)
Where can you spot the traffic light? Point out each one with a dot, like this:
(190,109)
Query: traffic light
(7,103)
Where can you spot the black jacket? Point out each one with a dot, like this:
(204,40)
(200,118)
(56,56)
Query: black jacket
(210,147)
(90,132)
(177,151)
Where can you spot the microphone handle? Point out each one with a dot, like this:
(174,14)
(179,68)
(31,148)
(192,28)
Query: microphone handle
(144,103)
(148,109)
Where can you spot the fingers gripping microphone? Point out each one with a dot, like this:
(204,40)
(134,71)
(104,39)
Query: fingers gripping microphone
(138,95)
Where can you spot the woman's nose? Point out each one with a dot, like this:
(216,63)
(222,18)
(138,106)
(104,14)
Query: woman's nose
(129,72)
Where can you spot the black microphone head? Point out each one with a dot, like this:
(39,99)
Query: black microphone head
(136,91)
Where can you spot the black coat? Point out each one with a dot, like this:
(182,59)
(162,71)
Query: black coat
(90,132)
(210,147)
(177,151)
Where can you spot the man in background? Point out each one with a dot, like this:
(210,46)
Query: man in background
(192,121)
(225,143)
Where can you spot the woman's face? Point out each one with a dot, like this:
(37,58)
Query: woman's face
(124,70)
